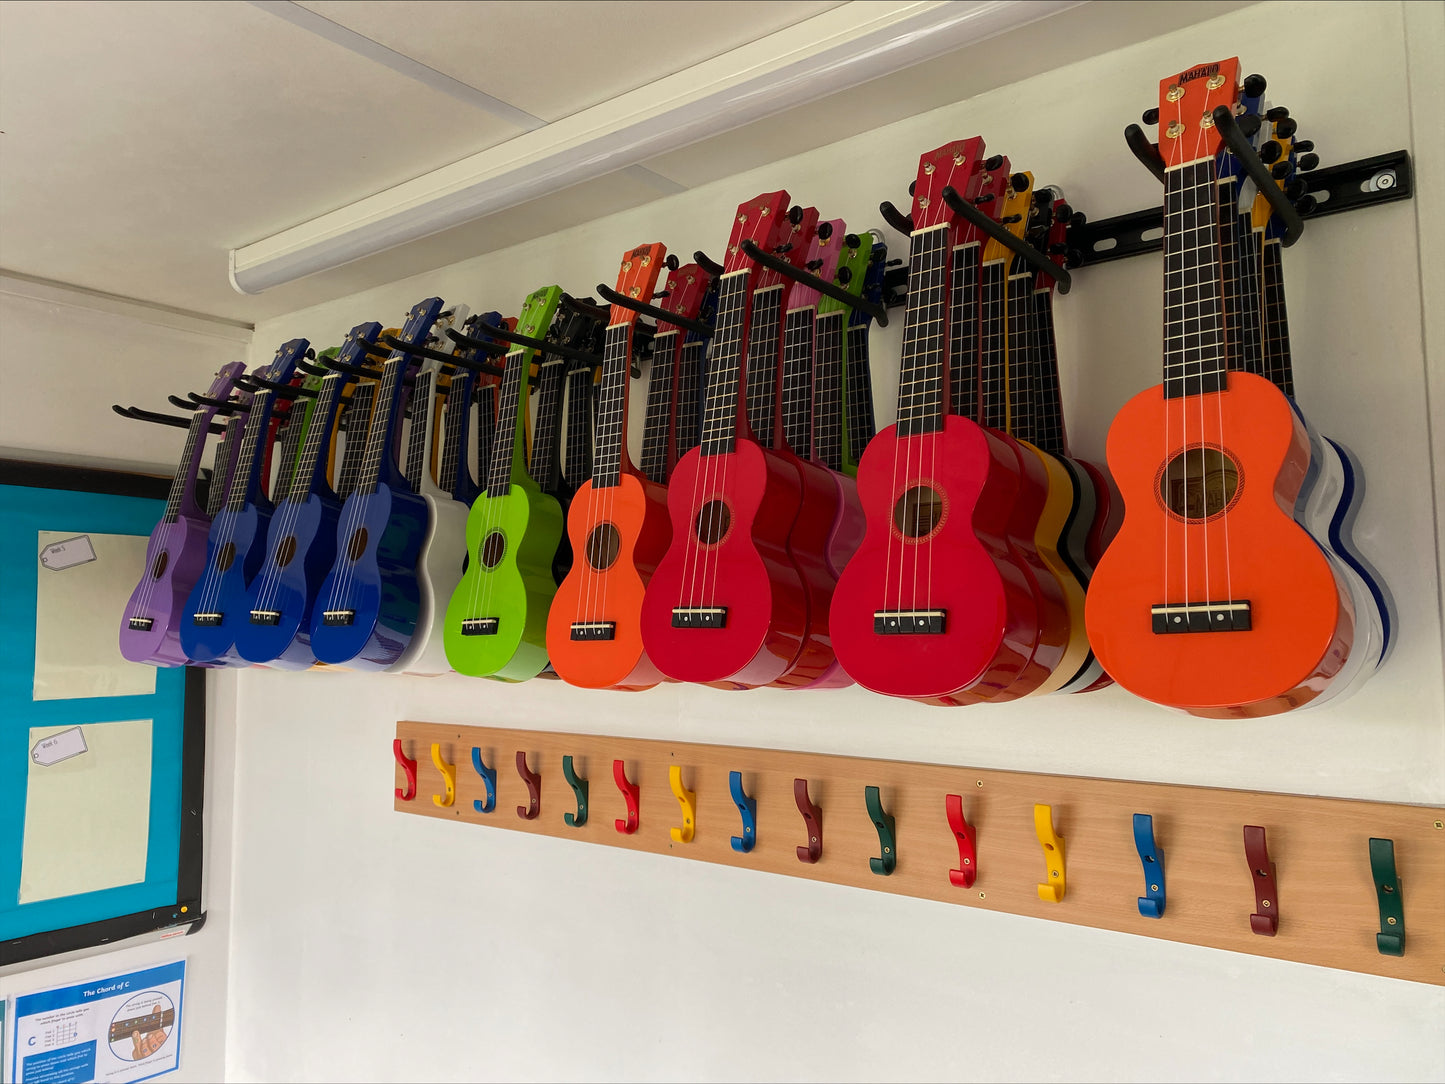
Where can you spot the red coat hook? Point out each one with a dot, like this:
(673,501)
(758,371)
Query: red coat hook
(407,765)
(1265,920)
(629,792)
(813,819)
(529,811)
(967,837)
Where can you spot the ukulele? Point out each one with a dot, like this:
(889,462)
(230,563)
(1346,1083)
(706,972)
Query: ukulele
(1211,598)
(496,621)
(464,388)
(692,375)
(726,603)
(690,294)
(830,443)
(858,398)
(216,607)
(934,603)
(369,603)
(617,522)
(176,553)
(301,541)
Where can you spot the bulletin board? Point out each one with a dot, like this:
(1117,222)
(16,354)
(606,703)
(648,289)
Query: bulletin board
(102,761)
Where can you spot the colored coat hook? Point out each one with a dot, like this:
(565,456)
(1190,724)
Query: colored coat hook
(409,767)
(688,800)
(883,822)
(1265,920)
(967,837)
(489,778)
(748,810)
(630,791)
(1151,905)
(529,811)
(579,788)
(1391,938)
(813,819)
(1053,845)
(449,777)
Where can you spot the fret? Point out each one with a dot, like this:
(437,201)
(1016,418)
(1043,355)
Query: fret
(1194,341)
(923,370)
(963,356)
(290,457)
(547,430)
(761,363)
(221,469)
(1049,412)
(181,492)
(661,389)
(724,389)
(423,394)
(1018,366)
(1231,297)
(509,438)
(385,421)
(858,397)
(795,408)
(829,329)
(486,428)
(1278,365)
(453,478)
(993,347)
(357,423)
(246,478)
(310,475)
(1247,286)
(687,421)
(580,424)
(610,435)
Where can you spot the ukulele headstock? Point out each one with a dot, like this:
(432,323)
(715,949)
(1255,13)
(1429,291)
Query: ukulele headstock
(358,343)
(436,338)
(821,259)
(225,380)
(688,289)
(758,220)
(1276,146)
(637,279)
(283,365)
(418,323)
(537,312)
(1187,102)
(791,246)
(1017,202)
(955,165)
(852,271)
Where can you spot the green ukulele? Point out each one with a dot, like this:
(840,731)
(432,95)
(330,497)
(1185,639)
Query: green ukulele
(496,624)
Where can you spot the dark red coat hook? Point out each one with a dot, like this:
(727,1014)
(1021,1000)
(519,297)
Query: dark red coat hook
(407,765)
(1265,920)
(813,819)
(967,837)
(630,792)
(529,811)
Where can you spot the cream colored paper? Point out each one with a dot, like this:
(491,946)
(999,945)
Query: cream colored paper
(77,620)
(87,819)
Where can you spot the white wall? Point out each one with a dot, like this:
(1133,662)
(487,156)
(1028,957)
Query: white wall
(127,353)
(369,945)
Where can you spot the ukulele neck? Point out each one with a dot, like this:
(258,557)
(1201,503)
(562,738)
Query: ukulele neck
(580,423)
(724,411)
(963,330)
(1018,364)
(923,379)
(829,331)
(547,432)
(310,476)
(661,403)
(993,347)
(1278,365)
(795,406)
(357,422)
(1194,351)
(610,458)
(761,364)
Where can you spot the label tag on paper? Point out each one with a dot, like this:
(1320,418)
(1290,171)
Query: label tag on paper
(58,556)
(58,747)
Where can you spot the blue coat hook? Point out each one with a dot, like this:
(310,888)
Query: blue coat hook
(489,777)
(1152,905)
(748,810)
(579,788)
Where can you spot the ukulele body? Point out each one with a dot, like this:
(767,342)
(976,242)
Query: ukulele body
(373,581)
(511,543)
(175,559)
(963,566)
(1250,550)
(1051,540)
(1085,520)
(438,571)
(612,593)
(234,552)
(844,537)
(746,502)
(808,540)
(300,550)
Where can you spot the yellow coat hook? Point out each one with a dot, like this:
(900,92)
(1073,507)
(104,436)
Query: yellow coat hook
(686,799)
(1053,844)
(449,777)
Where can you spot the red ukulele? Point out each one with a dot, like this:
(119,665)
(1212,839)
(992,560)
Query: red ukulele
(1211,598)
(726,603)
(934,604)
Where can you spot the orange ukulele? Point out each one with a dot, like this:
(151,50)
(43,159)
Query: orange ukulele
(618,524)
(1211,598)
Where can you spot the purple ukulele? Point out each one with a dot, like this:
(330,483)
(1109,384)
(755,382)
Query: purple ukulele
(176,553)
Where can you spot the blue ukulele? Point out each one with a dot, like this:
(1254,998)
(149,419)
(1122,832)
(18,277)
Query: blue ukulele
(368,606)
(216,606)
(301,544)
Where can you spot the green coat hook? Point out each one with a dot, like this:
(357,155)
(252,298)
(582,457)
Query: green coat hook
(884,823)
(1391,938)
(579,788)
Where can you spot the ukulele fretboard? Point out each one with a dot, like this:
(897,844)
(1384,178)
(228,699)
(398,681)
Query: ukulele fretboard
(963,331)
(611,428)
(761,365)
(1194,357)
(657,423)
(724,384)
(925,334)
(796,406)
(828,338)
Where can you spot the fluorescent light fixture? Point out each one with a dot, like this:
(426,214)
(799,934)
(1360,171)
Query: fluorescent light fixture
(828,53)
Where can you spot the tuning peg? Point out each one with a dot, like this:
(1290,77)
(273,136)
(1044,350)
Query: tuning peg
(1009,220)
(1073,258)
(911,186)
(979,201)
(1018,182)
(1294,190)
(845,276)
(1255,85)
(672,262)
(1151,116)
(783,248)
(1303,145)
(795,215)
(1279,171)
(1270,152)
(1077,220)
(1248,124)
(1043,197)
(1278,113)
(993,161)
(1286,128)
(1058,248)
(852,240)
(813,265)
(894,263)
(1307,162)
(1306,204)
(1063,213)
(825,230)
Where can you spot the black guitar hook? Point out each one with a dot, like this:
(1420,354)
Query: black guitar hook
(823,286)
(697,327)
(1032,256)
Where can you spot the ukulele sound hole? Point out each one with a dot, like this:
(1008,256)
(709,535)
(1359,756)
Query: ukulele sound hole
(226,557)
(1199,484)
(357,546)
(494,547)
(286,551)
(713,521)
(603,545)
(918,512)
(162,560)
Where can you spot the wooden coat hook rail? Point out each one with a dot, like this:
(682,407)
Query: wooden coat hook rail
(1356,876)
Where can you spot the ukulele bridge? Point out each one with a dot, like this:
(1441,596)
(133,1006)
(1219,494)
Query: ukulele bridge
(1200,617)
(699,617)
(265,617)
(208,620)
(141,624)
(594,630)
(481,626)
(910,622)
(337,618)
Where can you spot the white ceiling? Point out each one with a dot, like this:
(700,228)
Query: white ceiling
(140,142)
